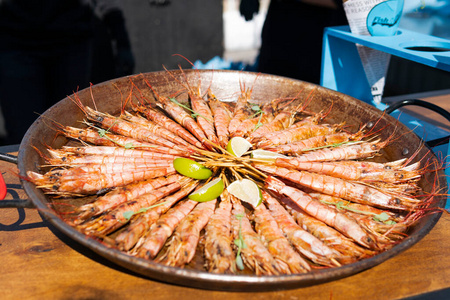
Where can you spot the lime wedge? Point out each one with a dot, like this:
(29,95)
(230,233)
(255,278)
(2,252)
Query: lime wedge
(209,191)
(238,146)
(265,154)
(247,191)
(191,168)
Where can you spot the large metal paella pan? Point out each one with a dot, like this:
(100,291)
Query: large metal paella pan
(110,96)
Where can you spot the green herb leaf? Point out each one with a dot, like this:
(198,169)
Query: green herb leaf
(181,104)
(128,214)
(339,205)
(259,124)
(383,217)
(239,216)
(239,263)
(244,245)
(102,132)
(332,145)
(194,114)
(239,243)
(342,205)
(256,108)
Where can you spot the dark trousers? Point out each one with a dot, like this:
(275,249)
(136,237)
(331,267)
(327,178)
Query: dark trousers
(292,35)
(34,78)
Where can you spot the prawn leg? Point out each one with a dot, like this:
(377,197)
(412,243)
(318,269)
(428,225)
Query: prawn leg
(221,119)
(312,143)
(121,195)
(117,218)
(350,251)
(253,252)
(219,254)
(160,119)
(241,111)
(141,224)
(163,229)
(278,245)
(357,150)
(107,150)
(348,190)
(184,241)
(293,134)
(155,128)
(81,182)
(107,139)
(329,216)
(305,243)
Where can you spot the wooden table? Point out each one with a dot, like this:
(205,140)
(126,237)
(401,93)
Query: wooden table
(39,262)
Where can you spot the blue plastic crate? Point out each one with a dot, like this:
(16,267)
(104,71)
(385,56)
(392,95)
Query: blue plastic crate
(342,70)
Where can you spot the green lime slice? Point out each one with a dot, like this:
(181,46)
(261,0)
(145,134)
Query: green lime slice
(191,168)
(209,191)
(265,154)
(238,146)
(247,191)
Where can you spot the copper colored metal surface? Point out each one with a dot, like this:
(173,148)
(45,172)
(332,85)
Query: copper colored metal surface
(226,86)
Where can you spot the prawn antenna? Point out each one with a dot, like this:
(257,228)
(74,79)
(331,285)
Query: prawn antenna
(196,70)
(124,103)
(142,97)
(302,106)
(77,101)
(92,95)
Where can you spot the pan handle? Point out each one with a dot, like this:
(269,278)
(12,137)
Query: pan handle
(14,203)
(9,158)
(431,106)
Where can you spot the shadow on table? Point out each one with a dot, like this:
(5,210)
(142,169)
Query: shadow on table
(90,253)
(436,295)
(16,226)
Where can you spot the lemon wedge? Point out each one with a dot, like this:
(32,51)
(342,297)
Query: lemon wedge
(265,154)
(237,146)
(247,191)
(191,168)
(209,191)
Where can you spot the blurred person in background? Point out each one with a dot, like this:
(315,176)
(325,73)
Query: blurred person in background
(291,39)
(46,51)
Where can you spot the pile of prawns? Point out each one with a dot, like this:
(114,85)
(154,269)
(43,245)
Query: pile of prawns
(324,204)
